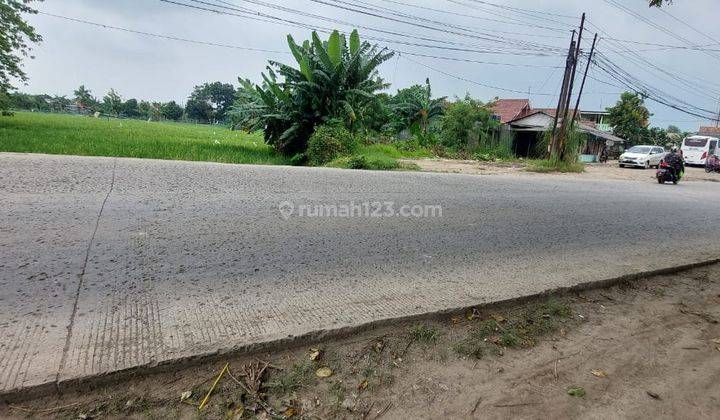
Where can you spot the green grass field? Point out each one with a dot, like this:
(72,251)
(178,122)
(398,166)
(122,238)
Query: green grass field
(78,135)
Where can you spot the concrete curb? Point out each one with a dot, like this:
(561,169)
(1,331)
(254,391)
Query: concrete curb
(90,382)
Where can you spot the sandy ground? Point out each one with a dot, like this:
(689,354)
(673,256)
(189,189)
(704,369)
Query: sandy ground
(609,170)
(646,349)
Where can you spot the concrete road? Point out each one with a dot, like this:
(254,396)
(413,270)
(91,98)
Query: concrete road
(107,264)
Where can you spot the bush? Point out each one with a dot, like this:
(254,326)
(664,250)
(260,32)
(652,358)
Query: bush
(369,162)
(298,160)
(378,163)
(465,119)
(553,165)
(357,162)
(329,142)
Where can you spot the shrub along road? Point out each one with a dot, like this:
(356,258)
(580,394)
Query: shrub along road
(111,263)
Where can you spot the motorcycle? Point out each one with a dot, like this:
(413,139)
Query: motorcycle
(666,173)
(712,164)
(603,158)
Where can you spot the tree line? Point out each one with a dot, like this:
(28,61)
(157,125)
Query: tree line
(630,120)
(208,103)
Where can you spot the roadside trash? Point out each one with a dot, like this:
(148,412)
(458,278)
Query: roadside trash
(653,395)
(324,372)
(185,396)
(315,354)
(212,388)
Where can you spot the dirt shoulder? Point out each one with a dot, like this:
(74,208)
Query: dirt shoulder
(609,170)
(649,348)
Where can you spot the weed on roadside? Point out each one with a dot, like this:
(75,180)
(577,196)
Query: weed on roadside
(291,380)
(423,333)
(493,335)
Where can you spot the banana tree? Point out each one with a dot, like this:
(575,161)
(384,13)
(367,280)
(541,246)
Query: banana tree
(334,79)
(418,108)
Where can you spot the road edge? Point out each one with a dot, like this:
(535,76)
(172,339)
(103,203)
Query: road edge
(97,380)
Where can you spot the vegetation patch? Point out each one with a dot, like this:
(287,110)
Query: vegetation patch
(551,165)
(423,333)
(499,332)
(381,157)
(86,136)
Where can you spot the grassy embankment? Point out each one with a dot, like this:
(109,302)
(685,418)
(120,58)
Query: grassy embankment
(548,165)
(28,132)
(86,136)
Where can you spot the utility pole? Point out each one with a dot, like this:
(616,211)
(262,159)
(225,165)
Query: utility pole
(564,127)
(582,85)
(563,94)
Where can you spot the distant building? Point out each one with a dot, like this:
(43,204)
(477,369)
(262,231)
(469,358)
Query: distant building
(600,118)
(528,125)
(709,131)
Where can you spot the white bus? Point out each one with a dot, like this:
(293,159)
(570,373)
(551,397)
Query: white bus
(696,149)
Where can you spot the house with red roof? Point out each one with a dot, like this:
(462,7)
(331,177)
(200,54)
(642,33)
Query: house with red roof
(505,110)
(527,126)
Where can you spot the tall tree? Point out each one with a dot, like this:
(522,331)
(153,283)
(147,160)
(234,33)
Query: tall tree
(58,103)
(15,38)
(84,98)
(657,136)
(674,133)
(630,117)
(112,103)
(210,102)
(130,108)
(172,111)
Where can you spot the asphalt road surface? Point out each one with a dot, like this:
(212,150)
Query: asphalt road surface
(107,264)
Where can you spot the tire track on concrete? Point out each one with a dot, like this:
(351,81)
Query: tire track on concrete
(81,276)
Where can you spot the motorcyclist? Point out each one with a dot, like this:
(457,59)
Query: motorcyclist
(604,155)
(675,162)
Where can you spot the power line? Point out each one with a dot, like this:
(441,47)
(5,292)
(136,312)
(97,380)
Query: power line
(655,25)
(169,37)
(208,43)
(535,14)
(646,65)
(470,33)
(249,14)
(471,16)
(471,81)
(652,94)
(694,29)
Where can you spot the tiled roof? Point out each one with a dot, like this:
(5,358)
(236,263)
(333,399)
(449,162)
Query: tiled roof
(709,131)
(509,109)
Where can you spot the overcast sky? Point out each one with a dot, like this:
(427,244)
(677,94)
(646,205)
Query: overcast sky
(145,67)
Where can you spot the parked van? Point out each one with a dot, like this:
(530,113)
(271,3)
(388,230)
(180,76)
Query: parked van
(696,149)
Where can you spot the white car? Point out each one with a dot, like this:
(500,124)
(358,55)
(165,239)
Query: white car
(642,156)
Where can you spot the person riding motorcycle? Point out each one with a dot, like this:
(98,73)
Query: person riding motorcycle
(603,155)
(675,162)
